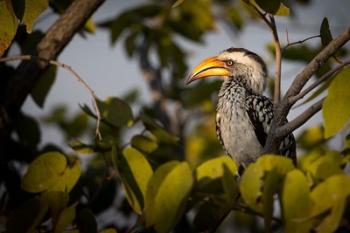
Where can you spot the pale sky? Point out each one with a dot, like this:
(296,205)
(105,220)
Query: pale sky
(110,73)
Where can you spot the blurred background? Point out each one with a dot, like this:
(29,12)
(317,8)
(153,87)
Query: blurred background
(142,52)
(110,72)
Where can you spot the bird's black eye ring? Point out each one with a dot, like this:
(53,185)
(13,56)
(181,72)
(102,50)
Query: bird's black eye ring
(229,63)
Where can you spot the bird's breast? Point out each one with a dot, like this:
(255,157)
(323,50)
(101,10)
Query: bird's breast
(234,128)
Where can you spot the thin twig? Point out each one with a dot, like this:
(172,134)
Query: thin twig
(299,120)
(278,62)
(70,70)
(298,42)
(324,78)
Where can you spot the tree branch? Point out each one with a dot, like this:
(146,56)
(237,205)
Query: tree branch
(282,109)
(28,73)
(278,62)
(299,42)
(324,78)
(299,120)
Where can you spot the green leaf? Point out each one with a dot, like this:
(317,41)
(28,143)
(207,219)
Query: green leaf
(311,137)
(144,143)
(335,110)
(212,170)
(9,24)
(271,6)
(158,131)
(283,10)
(135,172)
(33,8)
(27,130)
(65,218)
(43,86)
(56,201)
(296,202)
(44,172)
(82,148)
(210,215)
(166,196)
(321,165)
(331,196)
(69,177)
(326,35)
(50,172)
(115,111)
(253,179)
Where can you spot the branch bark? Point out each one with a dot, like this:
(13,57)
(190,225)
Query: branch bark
(28,73)
(282,109)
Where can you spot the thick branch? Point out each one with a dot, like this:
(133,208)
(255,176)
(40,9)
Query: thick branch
(28,73)
(282,109)
(299,120)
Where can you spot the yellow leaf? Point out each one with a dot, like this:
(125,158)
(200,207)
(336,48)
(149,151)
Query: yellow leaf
(336,108)
(90,26)
(9,23)
(33,8)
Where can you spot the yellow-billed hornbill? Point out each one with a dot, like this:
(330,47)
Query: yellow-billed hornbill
(244,115)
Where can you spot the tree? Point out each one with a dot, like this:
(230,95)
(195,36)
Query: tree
(166,174)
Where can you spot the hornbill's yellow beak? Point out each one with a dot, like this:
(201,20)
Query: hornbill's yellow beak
(211,66)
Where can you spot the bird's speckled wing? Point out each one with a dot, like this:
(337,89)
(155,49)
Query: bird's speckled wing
(260,112)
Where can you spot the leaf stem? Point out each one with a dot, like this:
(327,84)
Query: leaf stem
(70,70)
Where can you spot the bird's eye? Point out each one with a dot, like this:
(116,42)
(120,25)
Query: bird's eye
(229,63)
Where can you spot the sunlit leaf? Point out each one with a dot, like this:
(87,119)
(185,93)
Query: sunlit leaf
(44,172)
(50,171)
(166,196)
(321,165)
(331,196)
(209,172)
(135,172)
(69,177)
(311,137)
(326,35)
(90,26)
(33,8)
(252,183)
(43,86)
(283,10)
(336,111)
(9,23)
(144,143)
(296,202)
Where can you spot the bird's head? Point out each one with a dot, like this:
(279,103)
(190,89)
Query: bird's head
(242,65)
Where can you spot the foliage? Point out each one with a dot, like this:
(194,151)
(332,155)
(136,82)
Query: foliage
(163,173)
